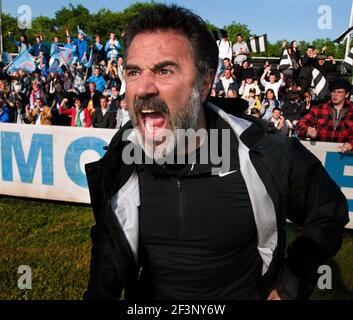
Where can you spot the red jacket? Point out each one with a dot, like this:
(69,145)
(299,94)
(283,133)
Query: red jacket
(322,118)
(72,112)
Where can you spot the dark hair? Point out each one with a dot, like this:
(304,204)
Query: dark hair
(175,18)
(310,47)
(276,108)
(254,111)
(239,35)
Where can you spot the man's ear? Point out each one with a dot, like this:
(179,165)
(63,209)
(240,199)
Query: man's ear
(206,84)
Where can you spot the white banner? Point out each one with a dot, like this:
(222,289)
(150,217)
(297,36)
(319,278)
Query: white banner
(47,162)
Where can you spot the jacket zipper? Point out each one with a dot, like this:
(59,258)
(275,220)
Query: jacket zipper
(180,207)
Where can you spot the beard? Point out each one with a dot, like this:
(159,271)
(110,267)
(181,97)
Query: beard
(165,142)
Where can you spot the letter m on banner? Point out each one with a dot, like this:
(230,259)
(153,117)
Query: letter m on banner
(41,143)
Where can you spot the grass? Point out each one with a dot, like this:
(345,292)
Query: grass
(53,239)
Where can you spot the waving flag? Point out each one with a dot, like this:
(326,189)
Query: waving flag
(23,61)
(80,31)
(348,61)
(319,84)
(63,55)
(257,44)
(286,61)
(88,63)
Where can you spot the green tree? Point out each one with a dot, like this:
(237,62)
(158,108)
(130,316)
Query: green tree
(234,28)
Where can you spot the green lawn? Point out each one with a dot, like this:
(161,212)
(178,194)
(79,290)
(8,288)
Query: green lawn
(53,239)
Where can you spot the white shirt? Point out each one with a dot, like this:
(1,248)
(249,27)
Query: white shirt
(238,48)
(274,86)
(224,49)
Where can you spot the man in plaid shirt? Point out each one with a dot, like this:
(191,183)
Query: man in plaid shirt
(333,121)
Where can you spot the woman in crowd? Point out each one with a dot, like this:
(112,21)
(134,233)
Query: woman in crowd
(268,104)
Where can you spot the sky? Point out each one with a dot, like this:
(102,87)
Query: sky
(280,19)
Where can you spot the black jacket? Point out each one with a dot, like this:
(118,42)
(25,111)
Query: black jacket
(107,121)
(297,184)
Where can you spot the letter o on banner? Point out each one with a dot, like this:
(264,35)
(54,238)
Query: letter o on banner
(73,156)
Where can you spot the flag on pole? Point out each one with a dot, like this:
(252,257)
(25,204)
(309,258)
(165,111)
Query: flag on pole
(348,61)
(257,44)
(343,36)
(23,61)
(319,84)
(285,62)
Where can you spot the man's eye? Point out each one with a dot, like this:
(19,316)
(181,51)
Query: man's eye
(165,71)
(132,73)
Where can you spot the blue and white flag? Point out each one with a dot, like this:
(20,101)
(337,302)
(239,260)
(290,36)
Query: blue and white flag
(23,61)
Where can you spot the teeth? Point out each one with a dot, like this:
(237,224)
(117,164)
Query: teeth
(147,111)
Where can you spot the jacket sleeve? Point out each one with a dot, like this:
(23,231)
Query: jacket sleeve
(319,207)
(305,122)
(103,283)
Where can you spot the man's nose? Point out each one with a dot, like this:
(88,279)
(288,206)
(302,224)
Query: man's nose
(146,85)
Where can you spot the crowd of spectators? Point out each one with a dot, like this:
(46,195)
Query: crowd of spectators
(94,96)
(75,94)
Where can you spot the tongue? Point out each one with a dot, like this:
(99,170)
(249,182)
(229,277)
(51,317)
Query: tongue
(155,119)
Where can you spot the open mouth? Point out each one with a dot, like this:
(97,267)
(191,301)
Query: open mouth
(151,122)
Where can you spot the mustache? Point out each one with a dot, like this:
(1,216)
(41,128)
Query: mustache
(151,102)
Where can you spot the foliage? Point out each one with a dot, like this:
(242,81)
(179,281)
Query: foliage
(105,21)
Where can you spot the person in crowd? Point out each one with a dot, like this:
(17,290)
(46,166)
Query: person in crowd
(272,83)
(113,100)
(231,93)
(98,79)
(102,117)
(246,71)
(98,51)
(19,115)
(306,104)
(325,64)
(80,43)
(268,104)
(291,110)
(79,79)
(246,85)
(39,46)
(92,98)
(70,44)
(80,116)
(295,57)
(55,45)
(279,121)
(224,47)
(22,45)
(112,47)
(122,116)
(5,112)
(332,121)
(227,65)
(253,100)
(240,50)
(309,58)
(36,92)
(40,114)
(225,83)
